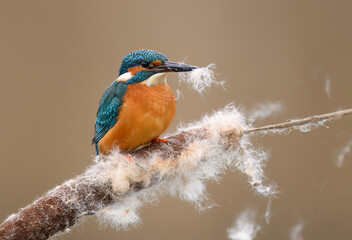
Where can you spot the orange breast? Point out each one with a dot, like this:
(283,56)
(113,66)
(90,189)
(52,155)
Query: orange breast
(146,112)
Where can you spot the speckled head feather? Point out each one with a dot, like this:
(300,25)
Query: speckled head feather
(139,57)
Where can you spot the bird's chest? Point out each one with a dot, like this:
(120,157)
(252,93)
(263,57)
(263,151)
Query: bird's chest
(157,101)
(146,112)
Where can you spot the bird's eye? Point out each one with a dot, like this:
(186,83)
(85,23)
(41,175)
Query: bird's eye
(151,65)
(145,64)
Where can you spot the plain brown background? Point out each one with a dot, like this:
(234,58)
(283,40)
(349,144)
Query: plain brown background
(57,58)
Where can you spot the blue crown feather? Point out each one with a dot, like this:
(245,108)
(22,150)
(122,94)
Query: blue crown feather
(138,57)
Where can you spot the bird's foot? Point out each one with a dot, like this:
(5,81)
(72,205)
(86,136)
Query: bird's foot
(160,140)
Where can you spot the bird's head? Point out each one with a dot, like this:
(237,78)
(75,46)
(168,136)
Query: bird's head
(140,65)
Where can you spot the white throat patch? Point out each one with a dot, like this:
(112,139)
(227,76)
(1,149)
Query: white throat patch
(156,79)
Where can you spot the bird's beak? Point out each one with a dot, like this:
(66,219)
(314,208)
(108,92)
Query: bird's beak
(174,67)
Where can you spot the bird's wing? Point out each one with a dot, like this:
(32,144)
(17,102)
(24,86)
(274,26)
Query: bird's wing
(109,109)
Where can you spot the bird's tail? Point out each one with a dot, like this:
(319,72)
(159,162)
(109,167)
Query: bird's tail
(96,148)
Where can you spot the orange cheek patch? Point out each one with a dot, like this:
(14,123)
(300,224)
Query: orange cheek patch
(136,69)
(157,63)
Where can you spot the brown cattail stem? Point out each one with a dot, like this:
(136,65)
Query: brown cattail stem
(299,122)
(51,213)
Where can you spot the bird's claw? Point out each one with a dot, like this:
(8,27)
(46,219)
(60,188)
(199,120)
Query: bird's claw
(129,157)
(161,140)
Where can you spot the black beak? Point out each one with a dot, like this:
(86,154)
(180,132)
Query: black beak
(174,67)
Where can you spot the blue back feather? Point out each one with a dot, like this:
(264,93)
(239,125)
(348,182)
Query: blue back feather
(109,109)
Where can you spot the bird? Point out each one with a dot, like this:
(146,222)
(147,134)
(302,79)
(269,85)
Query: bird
(139,105)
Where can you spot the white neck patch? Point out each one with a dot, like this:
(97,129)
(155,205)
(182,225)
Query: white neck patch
(124,77)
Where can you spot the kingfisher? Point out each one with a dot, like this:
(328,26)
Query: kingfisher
(139,105)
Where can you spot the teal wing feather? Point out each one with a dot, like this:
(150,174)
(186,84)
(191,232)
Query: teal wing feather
(109,109)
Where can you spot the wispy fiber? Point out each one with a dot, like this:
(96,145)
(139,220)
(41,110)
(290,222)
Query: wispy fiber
(245,226)
(200,79)
(327,87)
(264,110)
(296,231)
(343,153)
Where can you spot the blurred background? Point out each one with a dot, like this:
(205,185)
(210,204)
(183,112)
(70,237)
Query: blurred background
(57,58)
